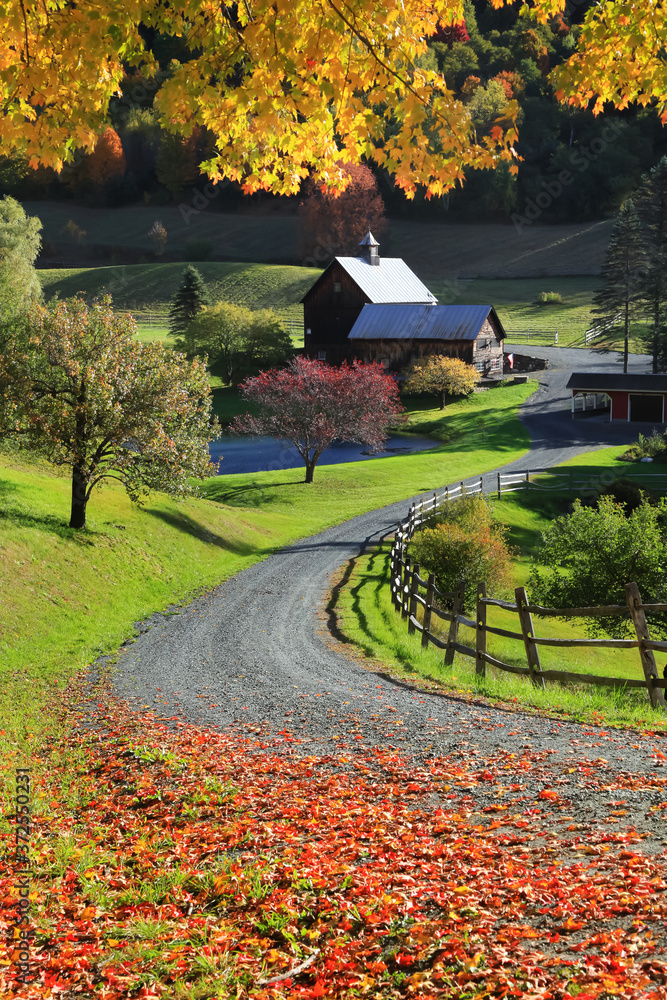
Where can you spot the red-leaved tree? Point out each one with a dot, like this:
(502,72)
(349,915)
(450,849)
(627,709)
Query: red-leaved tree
(312,404)
(107,159)
(333,225)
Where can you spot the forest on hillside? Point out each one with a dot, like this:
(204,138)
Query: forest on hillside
(492,58)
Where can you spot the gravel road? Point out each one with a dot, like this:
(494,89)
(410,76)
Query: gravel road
(255,651)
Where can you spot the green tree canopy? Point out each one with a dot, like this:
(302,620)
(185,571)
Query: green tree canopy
(623,273)
(651,204)
(595,552)
(238,341)
(20,244)
(77,387)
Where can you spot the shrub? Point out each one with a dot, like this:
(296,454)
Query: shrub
(549,298)
(628,494)
(646,447)
(463,542)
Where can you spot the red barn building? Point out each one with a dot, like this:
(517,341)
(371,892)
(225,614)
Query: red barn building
(636,398)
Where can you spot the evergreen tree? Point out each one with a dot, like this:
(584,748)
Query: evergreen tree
(623,273)
(189,300)
(651,203)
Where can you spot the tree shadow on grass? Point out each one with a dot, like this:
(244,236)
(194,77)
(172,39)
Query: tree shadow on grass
(373,576)
(17,514)
(182,522)
(252,494)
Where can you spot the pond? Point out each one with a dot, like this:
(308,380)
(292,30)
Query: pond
(261,454)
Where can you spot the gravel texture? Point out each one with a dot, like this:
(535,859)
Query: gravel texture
(255,653)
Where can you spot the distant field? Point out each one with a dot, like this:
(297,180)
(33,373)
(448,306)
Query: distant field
(145,289)
(437,251)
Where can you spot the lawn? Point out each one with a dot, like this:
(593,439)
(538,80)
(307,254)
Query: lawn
(366,615)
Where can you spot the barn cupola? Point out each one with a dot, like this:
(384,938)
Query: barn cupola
(369,249)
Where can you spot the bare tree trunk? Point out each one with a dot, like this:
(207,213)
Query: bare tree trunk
(625,342)
(443,398)
(79,501)
(310,470)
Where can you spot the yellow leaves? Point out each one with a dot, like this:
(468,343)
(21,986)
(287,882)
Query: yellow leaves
(311,73)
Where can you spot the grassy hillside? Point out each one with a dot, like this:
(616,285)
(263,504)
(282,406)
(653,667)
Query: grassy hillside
(435,250)
(146,289)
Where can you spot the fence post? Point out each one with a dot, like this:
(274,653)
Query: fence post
(532,652)
(430,587)
(481,485)
(396,581)
(527,478)
(446,494)
(499,486)
(414,590)
(405,587)
(480,632)
(633,597)
(454,625)
(463,489)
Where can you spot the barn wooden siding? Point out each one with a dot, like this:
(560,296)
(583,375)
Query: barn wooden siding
(330,314)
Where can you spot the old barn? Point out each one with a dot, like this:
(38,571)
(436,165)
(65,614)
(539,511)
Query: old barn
(395,335)
(332,306)
(637,398)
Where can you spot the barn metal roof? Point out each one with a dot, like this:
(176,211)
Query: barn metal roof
(390,280)
(421,322)
(601,382)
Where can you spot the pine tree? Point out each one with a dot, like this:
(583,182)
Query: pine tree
(623,273)
(189,300)
(651,204)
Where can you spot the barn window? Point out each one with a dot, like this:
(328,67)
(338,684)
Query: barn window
(384,362)
(337,286)
(495,364)
(321,355)
(308,332)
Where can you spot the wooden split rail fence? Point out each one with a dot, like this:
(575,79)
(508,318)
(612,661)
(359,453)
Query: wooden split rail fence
(410,591)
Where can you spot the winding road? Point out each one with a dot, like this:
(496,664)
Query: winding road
(255,652)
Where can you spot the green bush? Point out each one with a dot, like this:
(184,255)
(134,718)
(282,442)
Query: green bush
(646,447)
(628,494)
(549,298)
(593,553)
(464,542)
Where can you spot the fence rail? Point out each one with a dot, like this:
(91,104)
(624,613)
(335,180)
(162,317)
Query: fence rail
(599,329)
(410,590)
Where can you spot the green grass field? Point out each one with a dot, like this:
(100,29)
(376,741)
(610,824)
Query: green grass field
(367,617)
(146,289)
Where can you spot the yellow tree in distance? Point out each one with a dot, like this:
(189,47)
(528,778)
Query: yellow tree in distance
(291,87)
(441,375)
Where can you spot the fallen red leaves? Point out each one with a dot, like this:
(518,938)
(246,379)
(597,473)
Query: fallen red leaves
(222,863)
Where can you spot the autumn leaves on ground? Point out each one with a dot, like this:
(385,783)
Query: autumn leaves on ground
(185,863)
